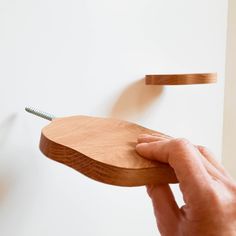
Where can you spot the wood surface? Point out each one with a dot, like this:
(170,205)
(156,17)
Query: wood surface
(104,150)
(181,79)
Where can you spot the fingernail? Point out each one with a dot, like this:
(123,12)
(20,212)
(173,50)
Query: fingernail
(144,135)
(141,145)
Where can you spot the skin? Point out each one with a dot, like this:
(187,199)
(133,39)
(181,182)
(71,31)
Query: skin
(208,191)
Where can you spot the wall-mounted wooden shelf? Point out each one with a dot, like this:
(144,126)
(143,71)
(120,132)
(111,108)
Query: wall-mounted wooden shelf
(180,79)
(103,149)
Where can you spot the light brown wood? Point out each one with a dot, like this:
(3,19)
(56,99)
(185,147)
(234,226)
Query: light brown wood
(104,150)
(181,79)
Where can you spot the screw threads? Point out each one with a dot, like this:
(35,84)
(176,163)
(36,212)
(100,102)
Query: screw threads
(39,113)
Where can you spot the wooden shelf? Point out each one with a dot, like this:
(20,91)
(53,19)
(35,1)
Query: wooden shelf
(181,79)
(104,150)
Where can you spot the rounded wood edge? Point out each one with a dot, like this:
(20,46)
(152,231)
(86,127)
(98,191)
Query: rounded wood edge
(106,173)
(181,79)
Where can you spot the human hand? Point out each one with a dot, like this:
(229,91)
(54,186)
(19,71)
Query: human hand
(208,191)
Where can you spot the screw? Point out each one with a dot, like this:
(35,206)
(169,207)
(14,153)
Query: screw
(39,113)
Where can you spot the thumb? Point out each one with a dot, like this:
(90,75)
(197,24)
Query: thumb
(165,208)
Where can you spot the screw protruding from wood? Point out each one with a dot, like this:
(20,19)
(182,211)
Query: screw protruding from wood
(39,113)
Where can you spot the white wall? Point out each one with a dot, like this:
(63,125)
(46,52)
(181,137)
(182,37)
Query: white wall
(87,57)
(229,142)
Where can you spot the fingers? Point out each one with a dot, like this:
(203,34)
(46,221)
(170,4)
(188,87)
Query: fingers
(213,164)
(215,169)
(184,158)
(165,207)
(179,153)
(209,156)
(146,138)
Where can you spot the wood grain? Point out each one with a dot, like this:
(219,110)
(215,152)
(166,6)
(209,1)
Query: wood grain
(181,79)
(104,150)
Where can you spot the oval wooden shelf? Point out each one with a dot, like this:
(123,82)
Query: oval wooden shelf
(181,79)
(104,150)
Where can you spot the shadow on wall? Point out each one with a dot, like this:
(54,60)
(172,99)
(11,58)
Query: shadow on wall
(135,99)
(5,127)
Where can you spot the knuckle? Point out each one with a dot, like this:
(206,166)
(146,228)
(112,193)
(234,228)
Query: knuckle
(213,197)
(180,143)
(218,200)
(233,187)
(203,149)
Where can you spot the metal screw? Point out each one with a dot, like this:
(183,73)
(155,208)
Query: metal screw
(39,113)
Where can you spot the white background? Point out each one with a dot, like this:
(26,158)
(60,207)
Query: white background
(230,94)
(88,57)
